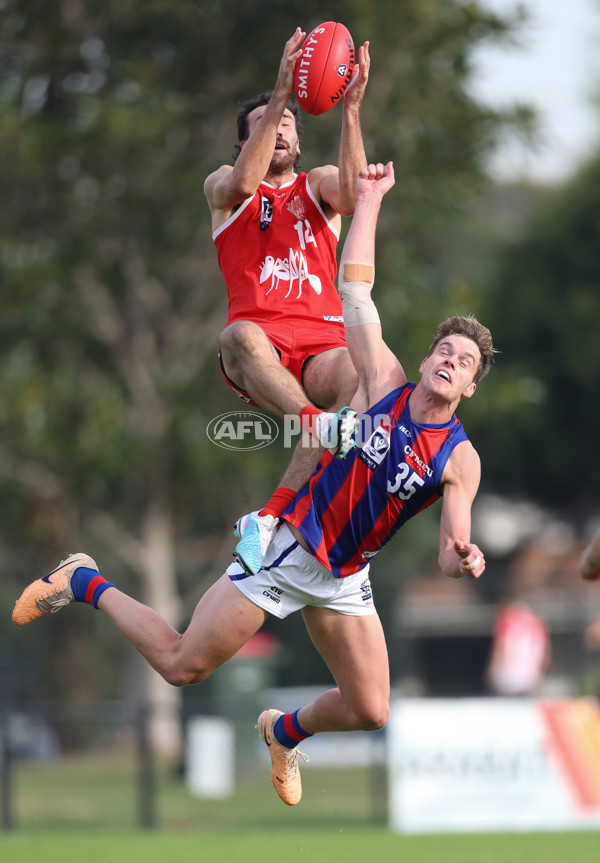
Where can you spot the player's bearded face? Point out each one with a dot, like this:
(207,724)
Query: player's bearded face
(287,148)
(284,156)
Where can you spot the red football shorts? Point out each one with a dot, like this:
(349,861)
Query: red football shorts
(295,344)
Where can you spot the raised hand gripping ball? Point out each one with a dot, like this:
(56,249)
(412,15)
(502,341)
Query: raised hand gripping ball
(325,68)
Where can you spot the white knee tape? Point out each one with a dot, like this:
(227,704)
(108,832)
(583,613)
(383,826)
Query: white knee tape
(356,281)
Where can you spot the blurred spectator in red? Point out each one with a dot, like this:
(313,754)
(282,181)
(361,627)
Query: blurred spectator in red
(521,650)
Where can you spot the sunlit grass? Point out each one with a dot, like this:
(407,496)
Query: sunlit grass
(103,793)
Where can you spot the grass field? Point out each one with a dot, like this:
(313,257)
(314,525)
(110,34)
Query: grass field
(88,792)
(85,809)
(308,846)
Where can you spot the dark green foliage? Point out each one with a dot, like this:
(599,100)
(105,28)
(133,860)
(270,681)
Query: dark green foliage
(545,304)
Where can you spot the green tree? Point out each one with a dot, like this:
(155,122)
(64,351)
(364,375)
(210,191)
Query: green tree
(545,308)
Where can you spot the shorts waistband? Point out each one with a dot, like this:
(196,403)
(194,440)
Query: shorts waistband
(305,556)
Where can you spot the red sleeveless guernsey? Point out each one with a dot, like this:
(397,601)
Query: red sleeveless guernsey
(277,253)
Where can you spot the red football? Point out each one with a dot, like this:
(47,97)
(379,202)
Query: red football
(325,68)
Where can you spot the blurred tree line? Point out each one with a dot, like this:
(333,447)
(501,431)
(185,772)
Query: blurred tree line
(544,301)
(113,113)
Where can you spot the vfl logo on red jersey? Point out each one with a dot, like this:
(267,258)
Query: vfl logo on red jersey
(266,213)
(376,448)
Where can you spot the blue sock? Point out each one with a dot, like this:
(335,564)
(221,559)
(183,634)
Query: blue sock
(287,730)
(88,585)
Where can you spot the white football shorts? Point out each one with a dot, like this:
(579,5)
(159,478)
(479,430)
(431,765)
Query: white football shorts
(292,578)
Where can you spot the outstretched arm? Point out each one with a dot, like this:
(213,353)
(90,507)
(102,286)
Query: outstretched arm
(378,369)
(458,555)
(337,189)
(228,186)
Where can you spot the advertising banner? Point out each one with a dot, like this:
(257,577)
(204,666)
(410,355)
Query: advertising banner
(486,764)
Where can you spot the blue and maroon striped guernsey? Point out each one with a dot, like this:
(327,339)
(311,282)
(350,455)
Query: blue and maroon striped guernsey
(351,508)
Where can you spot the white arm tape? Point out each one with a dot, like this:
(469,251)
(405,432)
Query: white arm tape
(355,283)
